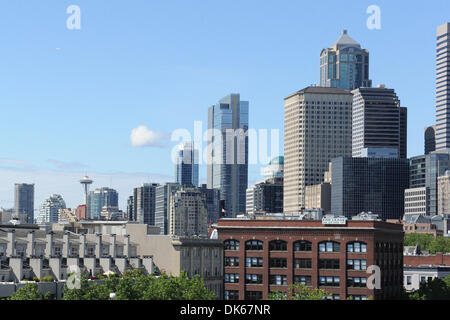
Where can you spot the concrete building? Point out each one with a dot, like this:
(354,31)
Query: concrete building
(81,212)
(186,165)
(49,209)
(378,121)
(317,128)
(266,255)
(430,139)
(318,197)
(345,65)
(417,201)
(99,198)
(443,87)
(67,215)
(227,164)
(188,214)
(163,197)
(24,200)
(369,185)
(28,252)
(444,194)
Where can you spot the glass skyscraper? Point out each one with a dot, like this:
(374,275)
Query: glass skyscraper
(345,65)
(443,87)
(227,165)
(24,200)
(99,198)
(186,167)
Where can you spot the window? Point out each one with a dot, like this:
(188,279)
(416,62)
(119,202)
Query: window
(253,295)
(329,264)
(253,262)
(356,282)
(231,277)
(304,280)
(231,262)
(358,297)
(333,297)
(278,245)
(254,245)
(232,245)
(278,262)
(253,278)
(303,246)
(302,263)
(329,246)
(278,280)
(356,264)
(231,295)
(329,281)
(408,280)
(357,247)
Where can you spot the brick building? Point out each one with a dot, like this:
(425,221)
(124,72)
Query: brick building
(262,256)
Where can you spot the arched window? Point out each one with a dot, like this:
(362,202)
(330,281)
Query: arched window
(357,247)
(329,246)
(302,246)
(231,245)
(254,245)
(278,245)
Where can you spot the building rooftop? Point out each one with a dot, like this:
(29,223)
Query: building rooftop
(320,90)
(345,40)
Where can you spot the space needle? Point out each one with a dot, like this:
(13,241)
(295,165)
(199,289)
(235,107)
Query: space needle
(86,182)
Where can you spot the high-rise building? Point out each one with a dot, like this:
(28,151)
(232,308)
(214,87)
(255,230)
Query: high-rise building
(417,201)
(318,197)
(24,200)
(430,139)
(227,165)
(212,203)
(99,198)
(436,165)
(345,65)
(163,197)
(369,185)
(188,213)
(444,194)
(417,172)
(379,122)
(265,197)
(317,128)
(186,166)
(443,87)
(144,205)
(130,209)
(81,212)
(275,169)
(50,208)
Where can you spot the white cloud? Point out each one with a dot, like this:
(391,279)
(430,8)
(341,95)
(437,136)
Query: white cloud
(144,137)
(67,165)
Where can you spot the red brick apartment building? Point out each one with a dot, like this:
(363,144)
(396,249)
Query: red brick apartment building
(266,255)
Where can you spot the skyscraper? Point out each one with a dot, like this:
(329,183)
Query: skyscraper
(227,165)
(99,198)
(379,123)
(345,65)
(186,167)
(443,87)
(163,196)
(430,139)
(144,203)
(317,128)
(24,200)
(48,211)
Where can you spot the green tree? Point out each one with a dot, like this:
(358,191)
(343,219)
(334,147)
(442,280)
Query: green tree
(422,240)
(299,292)
(28,292)
(435,289)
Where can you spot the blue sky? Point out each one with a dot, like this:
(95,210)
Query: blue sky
(71,98)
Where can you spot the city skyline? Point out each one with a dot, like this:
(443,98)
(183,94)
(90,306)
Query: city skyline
(106,148)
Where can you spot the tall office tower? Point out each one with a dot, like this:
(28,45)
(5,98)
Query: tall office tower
(99,198)
(444,194)
(417,172)
(265,197)
(186,166)
(228,152)
(163,196)
(24,200)
(48,211)
(436,165)
(188,214)
(345,65)
(130,209)
(379,124)
(430,139)
(145,203)
(369,185)
(443,87)
(317,128)
(212,203)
